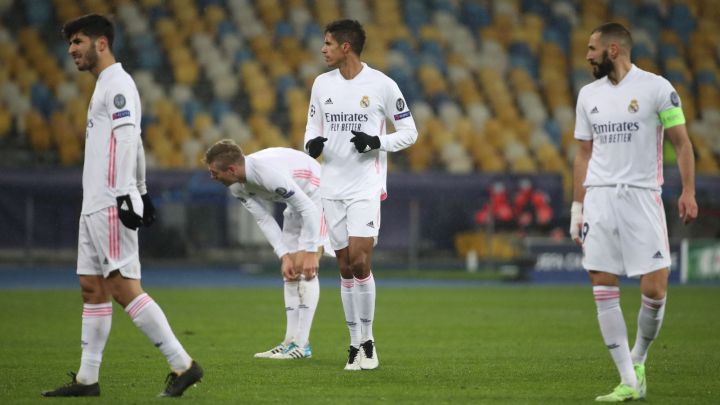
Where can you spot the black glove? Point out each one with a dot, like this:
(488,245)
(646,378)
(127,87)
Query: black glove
(148,210)
(315,146)
(128,217)
(364,141)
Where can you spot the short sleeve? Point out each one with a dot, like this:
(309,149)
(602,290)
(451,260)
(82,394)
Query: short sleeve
(583,129)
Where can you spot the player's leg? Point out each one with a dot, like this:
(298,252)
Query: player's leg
(308,296)
(363,227)
(360,257)
(602,259)
(147,315)
(647,256)
(96,319)
(352,317)
(653,287)
(291,298)
(309,292)
(335,212)
(122,280)
(606,291)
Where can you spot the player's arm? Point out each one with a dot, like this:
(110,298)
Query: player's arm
(122,112)
(297,201)
(266,221)
(261,211)
(313,141)
(583,153)
(687,206)
(148,207)
(308,258)
(580,166)
(397,110)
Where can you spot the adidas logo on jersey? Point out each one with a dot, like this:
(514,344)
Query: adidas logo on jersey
(106,261)
(658,255)
(328,101)
(371,224)
(594,111)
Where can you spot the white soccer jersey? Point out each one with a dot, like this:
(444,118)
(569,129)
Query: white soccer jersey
(287,176)
(623,122)
(114,103)
(338,106)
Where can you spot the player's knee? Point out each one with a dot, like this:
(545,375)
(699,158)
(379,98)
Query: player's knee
(359,266)
(92,291)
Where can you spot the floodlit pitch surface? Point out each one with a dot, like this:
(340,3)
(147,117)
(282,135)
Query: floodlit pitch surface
(526,344)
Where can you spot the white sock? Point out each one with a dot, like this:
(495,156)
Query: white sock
(147,315)
(292,300)
(309,297)
(614,331)
(96,323)
(649,321)
(347,286)
(365,295)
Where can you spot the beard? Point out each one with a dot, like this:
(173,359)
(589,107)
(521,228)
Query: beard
(89,60)
(604,68)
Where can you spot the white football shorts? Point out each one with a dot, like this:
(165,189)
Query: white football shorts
(292,228)
(105,244)
(345,218)
(624,231)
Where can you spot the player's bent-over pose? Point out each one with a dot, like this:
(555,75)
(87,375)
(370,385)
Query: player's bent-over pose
(291,177)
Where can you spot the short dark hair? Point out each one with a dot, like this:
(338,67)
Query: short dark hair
(92,25)
(225,153)
(613,30)
(350,31)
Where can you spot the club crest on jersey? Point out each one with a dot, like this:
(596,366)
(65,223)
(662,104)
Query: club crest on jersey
(365,102)
(400,104)
(312,110)
(675,99)
(119,101)
(284,193)
(633,107)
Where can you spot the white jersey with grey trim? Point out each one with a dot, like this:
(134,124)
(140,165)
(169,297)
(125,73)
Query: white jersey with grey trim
(114,103)
(624,124)
(338,106)
(287,176)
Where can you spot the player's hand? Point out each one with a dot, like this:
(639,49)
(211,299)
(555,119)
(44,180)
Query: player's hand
(315,146)
(688,208)
(288,268)
(310,264)
(148,210)
(127,214)
(364,142)
(576,221)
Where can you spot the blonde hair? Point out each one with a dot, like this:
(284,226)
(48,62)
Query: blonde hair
(224,153)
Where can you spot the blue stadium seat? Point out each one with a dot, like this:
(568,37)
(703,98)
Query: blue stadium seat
(42,99)
(38,12)
(475,15)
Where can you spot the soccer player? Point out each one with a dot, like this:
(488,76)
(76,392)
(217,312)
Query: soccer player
(285,176)
(346,124)
(115,205)
(617,214)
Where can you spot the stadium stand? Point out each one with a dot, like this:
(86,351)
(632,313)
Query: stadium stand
(492,84)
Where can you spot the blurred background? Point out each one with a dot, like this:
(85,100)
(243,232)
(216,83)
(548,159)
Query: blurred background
(491,85)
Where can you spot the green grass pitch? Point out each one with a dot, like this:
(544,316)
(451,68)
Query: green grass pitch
(494,345)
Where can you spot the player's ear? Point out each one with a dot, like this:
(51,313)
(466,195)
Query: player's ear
(614,49)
